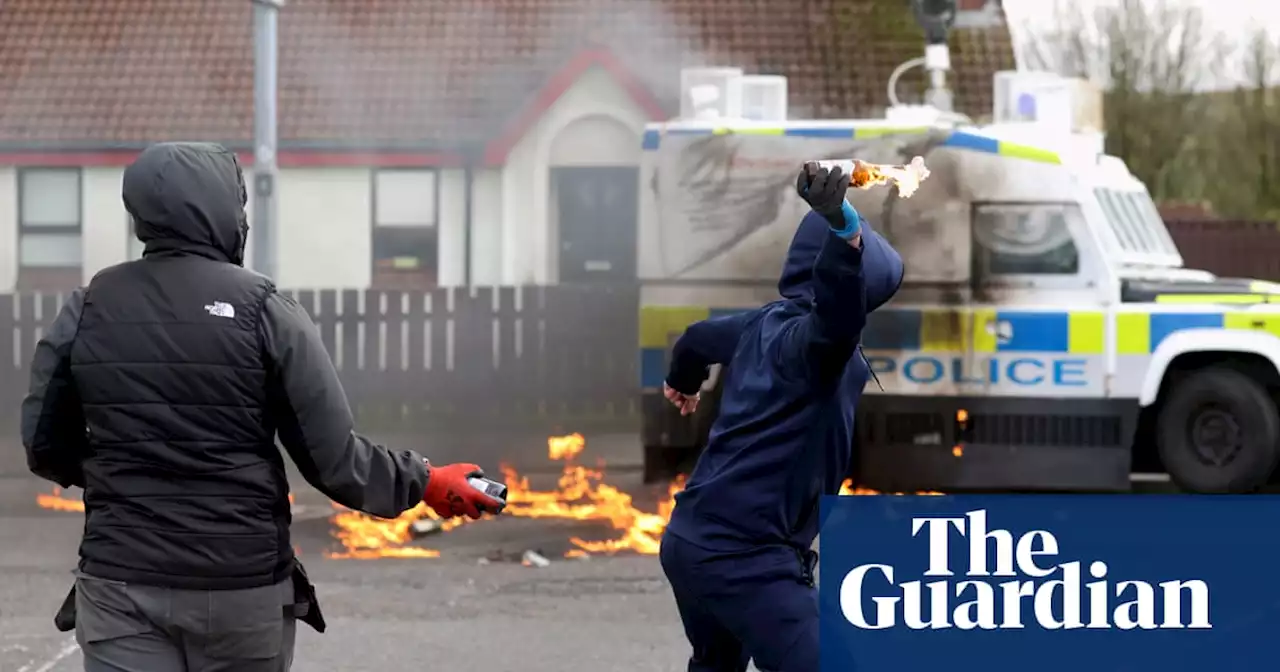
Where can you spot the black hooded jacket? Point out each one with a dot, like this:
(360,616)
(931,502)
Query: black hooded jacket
(161,387)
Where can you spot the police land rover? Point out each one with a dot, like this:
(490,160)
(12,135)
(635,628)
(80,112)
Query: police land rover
(1046,336)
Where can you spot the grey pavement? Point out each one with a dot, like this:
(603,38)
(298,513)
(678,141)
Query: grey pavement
(600,614)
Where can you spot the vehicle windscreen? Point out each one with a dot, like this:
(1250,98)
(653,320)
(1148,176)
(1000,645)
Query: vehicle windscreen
(1024,239)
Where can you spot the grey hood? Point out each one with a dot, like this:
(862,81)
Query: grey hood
(188,197)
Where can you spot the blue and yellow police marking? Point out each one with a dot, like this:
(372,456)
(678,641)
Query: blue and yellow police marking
(1133,333)
(1086,333)
(956,139)
(1256,292)
(985,338)
(1211,299)
(955,330)
(1269,323)
(1164,325)
(987,145)
(659,327)
(659,323)
(1140,333)
(979,330)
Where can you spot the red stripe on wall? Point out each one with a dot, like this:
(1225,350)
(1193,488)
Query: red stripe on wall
(286,159)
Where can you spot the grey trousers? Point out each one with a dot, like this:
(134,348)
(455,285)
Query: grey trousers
(133,628)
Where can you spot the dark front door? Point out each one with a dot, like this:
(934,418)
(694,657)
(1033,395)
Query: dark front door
(597,210)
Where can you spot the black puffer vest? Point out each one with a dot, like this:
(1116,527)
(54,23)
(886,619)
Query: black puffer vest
(184,487)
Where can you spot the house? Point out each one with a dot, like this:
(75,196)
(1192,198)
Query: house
(421,143)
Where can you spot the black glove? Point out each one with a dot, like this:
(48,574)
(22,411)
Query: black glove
(825,193)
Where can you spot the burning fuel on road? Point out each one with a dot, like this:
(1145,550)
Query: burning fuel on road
(55,501)
(580,495)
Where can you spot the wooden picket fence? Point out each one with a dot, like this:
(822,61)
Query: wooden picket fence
(1229,248)
(452,358)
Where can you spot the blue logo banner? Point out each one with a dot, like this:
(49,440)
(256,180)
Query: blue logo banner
(1049,583)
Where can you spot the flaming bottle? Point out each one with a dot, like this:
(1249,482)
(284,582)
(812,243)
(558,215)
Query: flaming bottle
(866,175)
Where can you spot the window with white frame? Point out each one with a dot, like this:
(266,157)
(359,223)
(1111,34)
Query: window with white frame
(405,250)
(50,248)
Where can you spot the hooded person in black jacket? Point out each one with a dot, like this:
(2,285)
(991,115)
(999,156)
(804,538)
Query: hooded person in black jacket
(160,389)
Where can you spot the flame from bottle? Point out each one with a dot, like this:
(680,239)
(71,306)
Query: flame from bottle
(907,177)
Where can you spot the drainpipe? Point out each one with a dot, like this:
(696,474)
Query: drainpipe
(468,187)
(265,211)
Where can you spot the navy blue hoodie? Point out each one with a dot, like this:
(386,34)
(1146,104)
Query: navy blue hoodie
(784,435)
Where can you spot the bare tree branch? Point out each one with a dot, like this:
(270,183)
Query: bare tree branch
(1152,59)
(1257,125)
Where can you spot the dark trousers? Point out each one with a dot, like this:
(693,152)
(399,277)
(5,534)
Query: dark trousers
(757,606)
(134,628)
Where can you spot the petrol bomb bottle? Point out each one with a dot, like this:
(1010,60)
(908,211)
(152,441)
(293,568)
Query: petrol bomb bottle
(493,489)
(865,175)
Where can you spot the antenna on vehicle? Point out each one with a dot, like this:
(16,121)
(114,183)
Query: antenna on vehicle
(936,18)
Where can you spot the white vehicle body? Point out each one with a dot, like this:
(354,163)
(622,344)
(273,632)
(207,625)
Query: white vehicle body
(1037,269)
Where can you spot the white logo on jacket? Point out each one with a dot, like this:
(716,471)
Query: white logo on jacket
(220,309)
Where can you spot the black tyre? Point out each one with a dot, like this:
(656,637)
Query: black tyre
(1219,432)
(664,463)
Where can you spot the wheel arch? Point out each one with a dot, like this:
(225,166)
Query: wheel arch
(1233,388)
(1254,353)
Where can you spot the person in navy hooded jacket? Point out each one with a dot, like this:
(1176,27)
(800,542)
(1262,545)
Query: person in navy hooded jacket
(737,550)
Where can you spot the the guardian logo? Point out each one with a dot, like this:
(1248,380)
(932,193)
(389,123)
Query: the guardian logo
(1038,587)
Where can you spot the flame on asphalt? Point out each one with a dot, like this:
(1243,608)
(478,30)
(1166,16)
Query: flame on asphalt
(847,488)
(580,494)
(57,502)
(364,537)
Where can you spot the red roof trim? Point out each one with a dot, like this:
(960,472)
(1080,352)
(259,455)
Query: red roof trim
(285,159)
(496,153)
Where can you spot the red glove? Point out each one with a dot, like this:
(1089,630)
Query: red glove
(450,495)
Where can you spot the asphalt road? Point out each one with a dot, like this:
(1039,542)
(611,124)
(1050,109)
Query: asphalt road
(462,610)
(475,607)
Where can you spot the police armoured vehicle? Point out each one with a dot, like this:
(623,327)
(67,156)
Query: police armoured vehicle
(1046,336)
